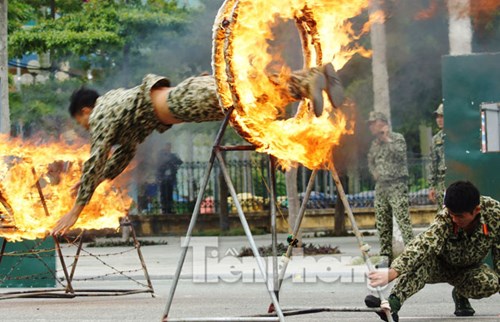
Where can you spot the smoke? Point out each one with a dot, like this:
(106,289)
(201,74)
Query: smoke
(176,57)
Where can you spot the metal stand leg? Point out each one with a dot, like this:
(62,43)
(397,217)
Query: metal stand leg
(296,227)
(4,243)
(77,257)
(141,258)
(248,232)
(69,288)
(216,153)
(195,214)
(362,246)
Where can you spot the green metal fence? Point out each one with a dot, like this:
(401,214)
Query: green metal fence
(250,179)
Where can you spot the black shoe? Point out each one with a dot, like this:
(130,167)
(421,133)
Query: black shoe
(374,302)
(462,305)
(318,84)
(334,90)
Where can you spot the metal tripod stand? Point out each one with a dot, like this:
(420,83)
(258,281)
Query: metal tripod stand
(275,311)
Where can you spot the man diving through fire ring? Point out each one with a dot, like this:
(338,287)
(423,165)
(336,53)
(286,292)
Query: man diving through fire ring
(123,118)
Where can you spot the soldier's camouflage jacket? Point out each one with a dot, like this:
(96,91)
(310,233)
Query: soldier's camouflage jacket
(452,247)
(387,161)
(437,166)
(121,119)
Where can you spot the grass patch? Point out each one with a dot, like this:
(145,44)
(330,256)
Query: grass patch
(331,233)
(309,249)
(230,232)
(130,243)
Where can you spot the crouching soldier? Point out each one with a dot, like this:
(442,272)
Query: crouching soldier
(452,250)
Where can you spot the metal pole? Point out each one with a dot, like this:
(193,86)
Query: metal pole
(69,288)
(248,233)
(77,256)
(195,214)
(4,243)
(309,310)
(38,294)
(362,246)
(296,227)
(141,258)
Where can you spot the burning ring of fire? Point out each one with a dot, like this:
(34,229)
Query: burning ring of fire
(242,30)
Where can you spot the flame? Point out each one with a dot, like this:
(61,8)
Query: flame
(305,139)
(58,167)
(428,12)
(481,11)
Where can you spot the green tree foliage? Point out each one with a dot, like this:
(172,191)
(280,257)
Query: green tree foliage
(110,38)
(18,12)
(97,25)
(42,107)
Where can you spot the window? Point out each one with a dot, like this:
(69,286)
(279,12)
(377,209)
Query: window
(490,127)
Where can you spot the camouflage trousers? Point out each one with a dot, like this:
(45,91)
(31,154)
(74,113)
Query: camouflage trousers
(475,283)
(195,99)
(440,188)
(392,200)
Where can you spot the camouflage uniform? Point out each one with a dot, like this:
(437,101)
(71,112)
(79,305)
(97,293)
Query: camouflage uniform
(446,254)
(123,118)
(195,99)
(437,167)
(388,165)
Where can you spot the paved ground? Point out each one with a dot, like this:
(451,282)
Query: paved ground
(215,283)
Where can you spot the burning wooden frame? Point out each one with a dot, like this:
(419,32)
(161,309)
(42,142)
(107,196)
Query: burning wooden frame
(242,68)
(8,225)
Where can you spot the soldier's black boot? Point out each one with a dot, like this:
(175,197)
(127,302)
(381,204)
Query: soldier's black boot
(334,90)
(462,304)
(394,302)
(318,84)
(326,80)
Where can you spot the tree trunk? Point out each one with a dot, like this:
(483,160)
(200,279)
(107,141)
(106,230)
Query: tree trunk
(4,71)
(381,99)
(339,228)
(460,27)
(53,9)
(223,210)
(223,195)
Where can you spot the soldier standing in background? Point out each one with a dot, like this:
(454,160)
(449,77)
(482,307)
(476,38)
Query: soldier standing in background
(387,163)
(168,164)
(437,167)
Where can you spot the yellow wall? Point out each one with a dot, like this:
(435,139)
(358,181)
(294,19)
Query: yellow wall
(314,220)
